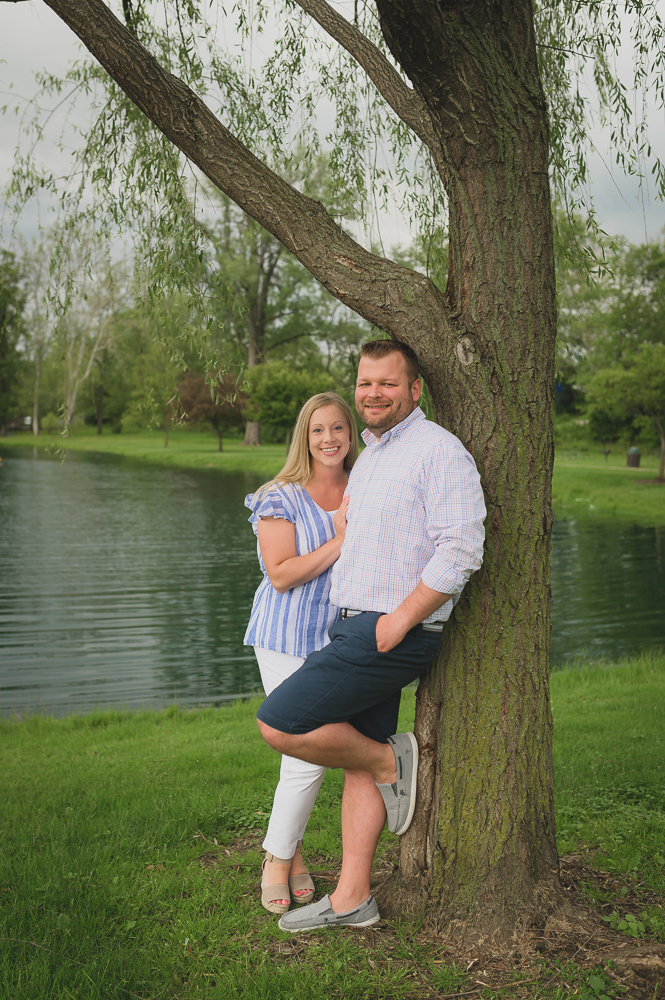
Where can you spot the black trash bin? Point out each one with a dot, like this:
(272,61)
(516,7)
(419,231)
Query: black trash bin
(633,461)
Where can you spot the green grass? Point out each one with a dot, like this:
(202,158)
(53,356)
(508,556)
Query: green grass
(105,819)
(584,482)
(186,450)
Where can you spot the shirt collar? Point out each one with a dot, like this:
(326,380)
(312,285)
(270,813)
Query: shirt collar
(395,432)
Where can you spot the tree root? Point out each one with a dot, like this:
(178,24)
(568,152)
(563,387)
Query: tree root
(561,923)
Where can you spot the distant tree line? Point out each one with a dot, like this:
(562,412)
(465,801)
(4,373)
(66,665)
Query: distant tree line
(108,355)
(611,339)
(81,341)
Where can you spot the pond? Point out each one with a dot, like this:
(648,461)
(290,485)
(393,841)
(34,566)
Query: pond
(130,585)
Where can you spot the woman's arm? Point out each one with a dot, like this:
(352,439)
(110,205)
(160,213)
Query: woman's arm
(285,569)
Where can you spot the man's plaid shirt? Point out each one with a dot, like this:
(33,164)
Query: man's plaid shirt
(416,512)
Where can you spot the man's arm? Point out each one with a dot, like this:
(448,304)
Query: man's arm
(419,605)
(453,511)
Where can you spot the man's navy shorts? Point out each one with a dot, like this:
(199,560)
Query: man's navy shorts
(349,680)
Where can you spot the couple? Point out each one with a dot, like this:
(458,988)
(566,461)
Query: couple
(372,552)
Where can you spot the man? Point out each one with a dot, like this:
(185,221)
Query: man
(414,537)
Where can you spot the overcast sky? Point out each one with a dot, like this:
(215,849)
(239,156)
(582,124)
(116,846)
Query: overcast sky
(33,38)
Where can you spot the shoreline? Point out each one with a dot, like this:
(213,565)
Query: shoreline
(584,484)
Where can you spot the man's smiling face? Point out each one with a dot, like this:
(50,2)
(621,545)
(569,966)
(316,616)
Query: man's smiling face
(384,394)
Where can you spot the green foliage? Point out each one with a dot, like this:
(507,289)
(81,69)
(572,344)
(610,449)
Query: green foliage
(632,393)
(628,924)
(12,304)
(51,423)
(276,392)
(597,985)
(125,174)
(634,390)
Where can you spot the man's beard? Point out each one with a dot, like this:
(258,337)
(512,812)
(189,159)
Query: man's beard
(392,416)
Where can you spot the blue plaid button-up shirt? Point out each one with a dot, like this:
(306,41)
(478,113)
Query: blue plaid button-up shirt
(416,512)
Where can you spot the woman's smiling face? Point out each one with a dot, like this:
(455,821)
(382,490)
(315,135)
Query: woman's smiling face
(329,436)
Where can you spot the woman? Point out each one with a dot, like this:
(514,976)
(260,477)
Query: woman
(299,518)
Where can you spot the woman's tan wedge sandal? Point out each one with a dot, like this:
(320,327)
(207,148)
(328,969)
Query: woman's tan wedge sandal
(302,881)
(271,893)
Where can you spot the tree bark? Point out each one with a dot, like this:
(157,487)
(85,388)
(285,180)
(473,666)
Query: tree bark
(481,852)
(485,839)
(661,434)
(35,404)
(100,396)
(252,433)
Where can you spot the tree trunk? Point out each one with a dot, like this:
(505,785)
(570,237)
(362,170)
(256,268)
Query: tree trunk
(100,396)
(35,404)
(661,434)
(219,437)
(483,844)
(167,427)
(252,432)
(254,357)
(288,440)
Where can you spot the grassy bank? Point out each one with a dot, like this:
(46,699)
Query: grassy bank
(130,853)
(186,450)
(583,480)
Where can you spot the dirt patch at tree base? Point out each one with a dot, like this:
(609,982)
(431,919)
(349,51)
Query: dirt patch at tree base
(570,949)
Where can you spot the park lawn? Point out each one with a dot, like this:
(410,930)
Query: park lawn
(589,484)
(129,852)
(186,450)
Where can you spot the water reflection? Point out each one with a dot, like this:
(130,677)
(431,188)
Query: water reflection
(122,584)
(608,589)
(131,585)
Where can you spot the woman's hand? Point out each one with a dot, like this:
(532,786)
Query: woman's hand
(339,520)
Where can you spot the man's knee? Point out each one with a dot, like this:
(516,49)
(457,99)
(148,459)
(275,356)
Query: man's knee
(281,742)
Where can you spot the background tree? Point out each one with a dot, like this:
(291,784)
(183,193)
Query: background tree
(633,392)
(12,304)
(276,392)
(154,402)
(459,100)
(267,301)
(35,260)
(609,308)
(219,403)
(86,291)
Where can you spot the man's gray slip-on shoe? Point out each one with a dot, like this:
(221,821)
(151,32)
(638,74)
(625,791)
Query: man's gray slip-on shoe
(321,914)
(400,798)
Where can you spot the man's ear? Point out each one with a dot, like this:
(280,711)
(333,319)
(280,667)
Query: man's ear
(416,390)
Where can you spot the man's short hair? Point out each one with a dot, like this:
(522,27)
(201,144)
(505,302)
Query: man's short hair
(376,349)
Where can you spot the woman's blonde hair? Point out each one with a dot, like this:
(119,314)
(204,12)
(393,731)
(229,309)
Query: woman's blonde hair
(298,467)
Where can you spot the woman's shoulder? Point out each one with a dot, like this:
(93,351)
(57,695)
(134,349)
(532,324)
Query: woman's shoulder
(279,500)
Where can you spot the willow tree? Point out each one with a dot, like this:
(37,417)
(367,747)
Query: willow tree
(459,87)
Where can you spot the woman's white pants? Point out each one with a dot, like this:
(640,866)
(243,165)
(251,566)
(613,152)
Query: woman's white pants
(299,782)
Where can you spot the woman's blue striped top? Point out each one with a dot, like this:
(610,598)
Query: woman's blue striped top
(296,622)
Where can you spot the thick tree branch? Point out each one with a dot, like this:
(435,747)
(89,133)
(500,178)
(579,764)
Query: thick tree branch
(396,299)
(405,102)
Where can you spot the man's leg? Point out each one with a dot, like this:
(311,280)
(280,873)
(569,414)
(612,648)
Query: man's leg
(363,817)
(337,744)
